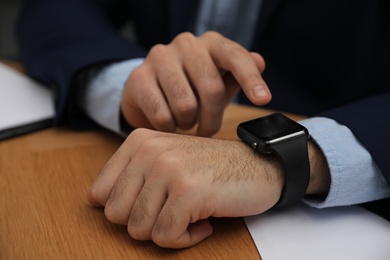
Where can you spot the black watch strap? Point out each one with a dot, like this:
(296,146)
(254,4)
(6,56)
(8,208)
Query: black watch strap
(296,167)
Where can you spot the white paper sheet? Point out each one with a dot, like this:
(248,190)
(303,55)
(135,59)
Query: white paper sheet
(22,100)
(301,232)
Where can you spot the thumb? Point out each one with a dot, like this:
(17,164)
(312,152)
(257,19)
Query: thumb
(196,232)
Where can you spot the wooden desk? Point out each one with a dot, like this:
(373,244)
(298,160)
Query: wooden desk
(44,214)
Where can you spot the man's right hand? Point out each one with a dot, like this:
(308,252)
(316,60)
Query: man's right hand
(190,81)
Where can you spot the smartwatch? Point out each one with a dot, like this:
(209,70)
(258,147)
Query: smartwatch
(286,139)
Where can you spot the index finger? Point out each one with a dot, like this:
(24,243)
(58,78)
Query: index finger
(245,67)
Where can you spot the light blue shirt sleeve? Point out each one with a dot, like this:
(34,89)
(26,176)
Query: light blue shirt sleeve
(103,93)
(355,177)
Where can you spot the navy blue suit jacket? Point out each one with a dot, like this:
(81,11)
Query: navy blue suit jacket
(324,57)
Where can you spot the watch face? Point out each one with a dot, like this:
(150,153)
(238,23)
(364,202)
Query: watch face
(272,127)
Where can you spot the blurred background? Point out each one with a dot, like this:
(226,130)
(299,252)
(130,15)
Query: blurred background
(9,10)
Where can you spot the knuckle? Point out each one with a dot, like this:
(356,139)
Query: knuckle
(157,145)
(184,38)
(212,34)
(167,161)
(147,146)
(235,50)
(112,214)
(214,92)
(136,233)
(188,181)
(162,121)
(137,134)
(162,229)
(218,38)
(137,73)
(158,50)
(97,195)
(185,108)
(167,164)
(183,186)
(163,241)
(133,232)
(153,107)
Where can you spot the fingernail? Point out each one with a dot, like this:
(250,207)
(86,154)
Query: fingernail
(260,92)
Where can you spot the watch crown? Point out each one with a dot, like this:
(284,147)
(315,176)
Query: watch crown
(254,145)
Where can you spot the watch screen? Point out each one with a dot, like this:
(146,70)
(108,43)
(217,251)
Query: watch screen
(272,126)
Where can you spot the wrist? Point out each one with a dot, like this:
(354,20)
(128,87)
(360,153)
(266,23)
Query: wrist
(319,183)
(278,135)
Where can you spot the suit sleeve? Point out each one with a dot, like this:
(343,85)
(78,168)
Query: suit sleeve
(60,38)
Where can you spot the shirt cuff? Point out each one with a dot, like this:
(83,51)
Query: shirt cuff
(355,177)
(103,93)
